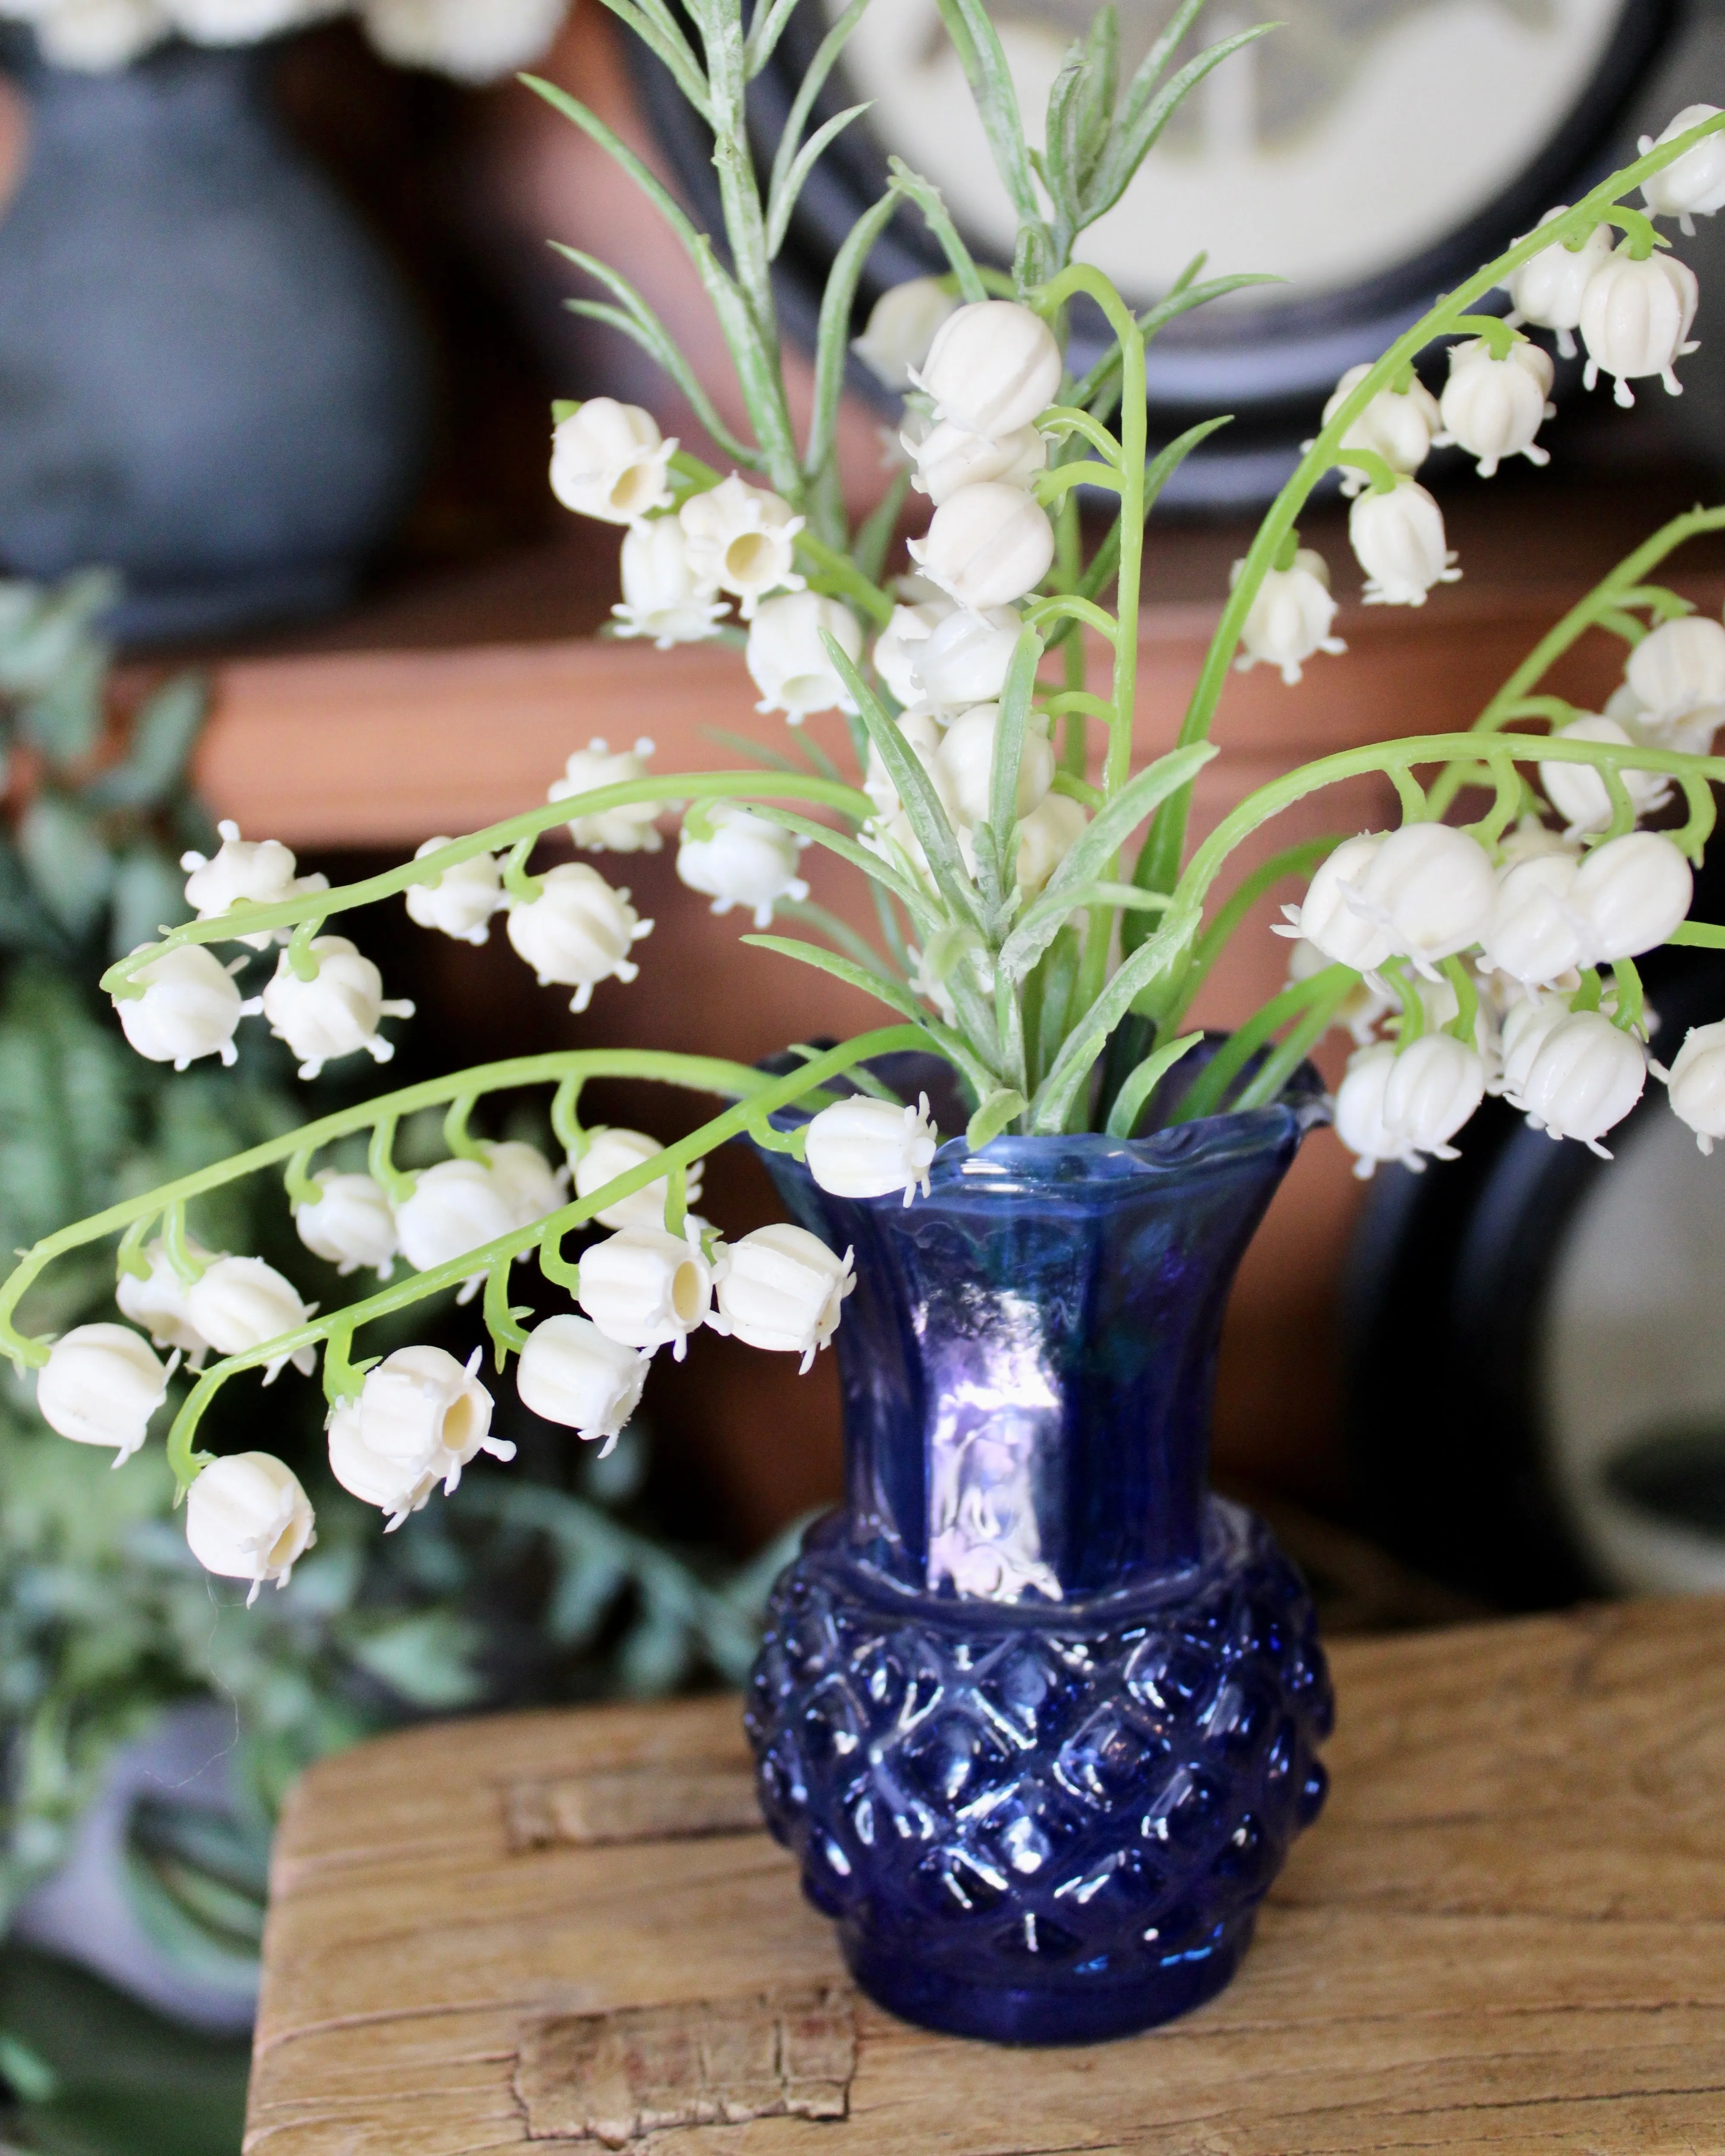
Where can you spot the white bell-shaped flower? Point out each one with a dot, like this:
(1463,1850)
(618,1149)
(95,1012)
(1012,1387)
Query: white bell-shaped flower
(351,1223)
(949,456)
(1694,185)
(902,325)
(1406,1105)
(894,646)
(609,1153)
(1331,918)
(1528,838)
(923,734)
(1697,1082)
(98,36)
(664,596)
(992,368)
(1535,935)
(1432,889)
(1396,425)
(1398,538)
(471,44)
(781,1288)
(1678,668)
(336,1012)
(1583,1076)
(633,829)
(245,872)
(1525,1026)
(644,1288)
(1546,290)
(965,656)
(988,545)
(454,1208)
(1361,1120)
(572,1374)
(749,861)
(742,539)
(1492,408)
(1364,1006)
(427,1415)
(247,1518)
(190,1008)
(156,1301)
(866,1148)
(789,661)
(460,903)
(531,1187)
(1045,838)
(1635,319)
(1577,791)
(1289,618)
(101,1385)
(609,460)
(966,756)
(239,1303)
(577,931)
(1630,893)
(241,22)
(397,1487)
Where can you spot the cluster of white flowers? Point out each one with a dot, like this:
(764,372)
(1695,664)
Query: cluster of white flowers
(472,40)
(1550,908)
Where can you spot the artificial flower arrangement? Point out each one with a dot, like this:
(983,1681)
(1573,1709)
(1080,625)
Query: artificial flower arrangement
(472,40)
(1043,925)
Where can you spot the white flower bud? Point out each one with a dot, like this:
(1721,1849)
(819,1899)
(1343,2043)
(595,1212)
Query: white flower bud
(1045,838)
(1578,791)
(1535,935)
(455,1207)
(577,931)
(742,540)
(966,756)
(473,45)
(663,595)
(965,657)
(1546,290)
(156,1301)
(781,1288)
(247,1518)
(396,1486)
(1398,539)
(424,1415)
(531,1187)
(1405,1105)
(1635,319)
(633,829)
(189,1007)
(1525,1026)
(895,647)
(788,660)
(351,1223)
(609,1153)
(1492,408)
(988,545)
(867,1148)
(1696,1080)
(1396,425)
(572,1374)
(239,1303)
(101,1385)
(923,735)
(993,366)
(460,903)
(950,456)
(1331,917)
(241,22)
(245,872)
(1289,618)
(609,460)
(749,861)
(1678,668)
(1432,888)
(98,36)
(334,1013)
(1530,839)
(1583,1076)
(643,1287)
(902,324)
(1694,186)
(1629,893)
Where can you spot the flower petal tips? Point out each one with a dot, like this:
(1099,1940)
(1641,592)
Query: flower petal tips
(782,1289)
(247,1518)
(101,1385)
(572,1373)
(869,1148)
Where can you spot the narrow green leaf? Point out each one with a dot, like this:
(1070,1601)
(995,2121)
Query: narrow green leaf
(658,31)
(927,198)
(1129,1101)
(889,993)
(1009,740)
(1136,136)
(1048,987)
(978,44)
(783,203)
(832,340)
(812,82)
(1071,1067)
(1000,1108)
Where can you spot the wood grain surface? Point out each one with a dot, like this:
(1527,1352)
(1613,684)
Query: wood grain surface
(1507,1934)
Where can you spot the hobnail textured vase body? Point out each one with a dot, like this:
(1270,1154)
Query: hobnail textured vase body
(1038,1715)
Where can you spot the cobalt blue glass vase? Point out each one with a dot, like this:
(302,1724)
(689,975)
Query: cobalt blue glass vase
(1037,1713)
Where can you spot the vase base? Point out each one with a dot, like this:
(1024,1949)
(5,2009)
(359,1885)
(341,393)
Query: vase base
(1034,2014)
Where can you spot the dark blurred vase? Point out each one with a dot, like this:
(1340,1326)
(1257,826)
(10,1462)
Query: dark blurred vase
(1038,1715)
(211,380)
